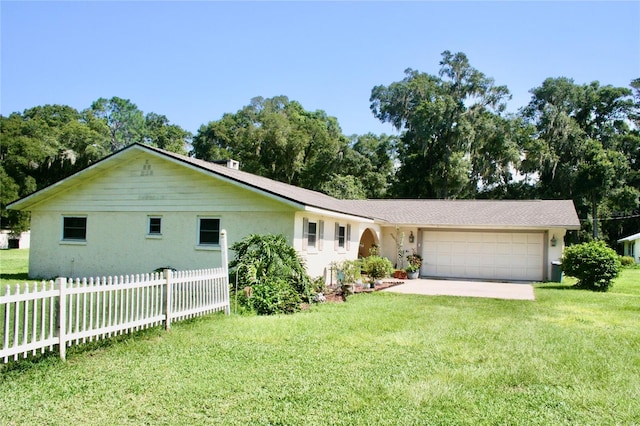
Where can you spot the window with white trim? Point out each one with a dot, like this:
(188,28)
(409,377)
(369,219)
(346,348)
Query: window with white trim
(341,232)
(208,231)
(312,234)
(154,225)
(342,236)
(74,228)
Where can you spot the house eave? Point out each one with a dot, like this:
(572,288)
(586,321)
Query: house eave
(337,215)
(479,226)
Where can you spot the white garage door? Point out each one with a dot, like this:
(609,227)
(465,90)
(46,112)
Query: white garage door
(485,255)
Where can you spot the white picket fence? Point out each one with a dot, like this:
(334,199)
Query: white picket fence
(38,317)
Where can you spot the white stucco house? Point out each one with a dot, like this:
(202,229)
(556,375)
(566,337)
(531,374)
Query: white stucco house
(142,208)
(631,246)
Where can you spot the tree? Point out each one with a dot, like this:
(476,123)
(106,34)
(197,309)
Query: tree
(277,138)
(123,119)
(170,137)
(37,147)
(583,147)
(447,122)
(344,187)
(369,159)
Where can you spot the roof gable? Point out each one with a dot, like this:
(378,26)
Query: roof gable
(289,194)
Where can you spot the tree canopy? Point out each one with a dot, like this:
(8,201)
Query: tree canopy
(279,139)
(452,126)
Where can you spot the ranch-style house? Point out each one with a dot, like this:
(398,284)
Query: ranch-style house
(143,208)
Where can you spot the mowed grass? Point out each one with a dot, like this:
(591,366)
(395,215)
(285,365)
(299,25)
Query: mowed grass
(570,357)
(14,265)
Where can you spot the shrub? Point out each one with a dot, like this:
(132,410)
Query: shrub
(350,270)
(377,267)
(274,296)
(626,261)
(268,260)
(594,264)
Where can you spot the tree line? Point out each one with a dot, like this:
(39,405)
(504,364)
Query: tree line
(454,140)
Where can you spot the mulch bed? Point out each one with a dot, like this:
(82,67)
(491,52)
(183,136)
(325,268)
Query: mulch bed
(335,294)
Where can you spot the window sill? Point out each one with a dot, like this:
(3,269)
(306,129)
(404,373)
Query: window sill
(211,247)
(73,242)
(154,236)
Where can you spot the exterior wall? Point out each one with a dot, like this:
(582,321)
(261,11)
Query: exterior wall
(24,240)
(554,253)
(319,260)
(389,247)
(632,248)
(117,205)
(117,242)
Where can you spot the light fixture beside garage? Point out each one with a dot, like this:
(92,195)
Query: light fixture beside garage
(554,240)
(411,237)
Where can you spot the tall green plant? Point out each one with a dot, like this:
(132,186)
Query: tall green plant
(274,270)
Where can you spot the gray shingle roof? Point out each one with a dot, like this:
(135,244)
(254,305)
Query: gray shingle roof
(451,213)
(527,213)
(481,213)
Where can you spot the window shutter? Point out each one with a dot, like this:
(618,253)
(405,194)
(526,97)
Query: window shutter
(348,242)
(320,234)
(336,237)
(305,233)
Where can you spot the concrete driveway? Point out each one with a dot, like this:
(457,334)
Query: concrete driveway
(493,290)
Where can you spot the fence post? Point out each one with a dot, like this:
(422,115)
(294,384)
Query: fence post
(168,274)
(61,317)
(225,267)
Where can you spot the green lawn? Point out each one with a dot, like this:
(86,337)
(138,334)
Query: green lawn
(570,357)
(14,265)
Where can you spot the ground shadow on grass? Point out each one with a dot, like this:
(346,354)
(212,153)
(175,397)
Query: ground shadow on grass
(557,286)
(33,361)
(16,277)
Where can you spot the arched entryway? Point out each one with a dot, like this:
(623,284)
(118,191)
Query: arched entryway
(367,240)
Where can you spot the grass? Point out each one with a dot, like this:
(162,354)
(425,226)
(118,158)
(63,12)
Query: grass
(570,357)
(13,267)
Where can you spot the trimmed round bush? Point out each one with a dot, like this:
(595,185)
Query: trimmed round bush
(594,264)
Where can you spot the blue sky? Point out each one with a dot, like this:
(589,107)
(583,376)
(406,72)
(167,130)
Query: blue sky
(194,61)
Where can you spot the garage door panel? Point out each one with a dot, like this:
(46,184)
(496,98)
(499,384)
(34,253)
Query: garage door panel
(475,247)
(504,238)
(489,255)
(533,262)
(533,249)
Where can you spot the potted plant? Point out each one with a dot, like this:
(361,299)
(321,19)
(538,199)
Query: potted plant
(376,268)
(414,261)
(348,275)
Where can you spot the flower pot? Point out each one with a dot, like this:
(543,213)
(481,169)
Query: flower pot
(400,275)
(413,275)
